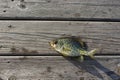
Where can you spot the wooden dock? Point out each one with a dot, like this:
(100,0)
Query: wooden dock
(26,27)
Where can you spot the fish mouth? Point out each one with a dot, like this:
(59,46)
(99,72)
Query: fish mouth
(52,44)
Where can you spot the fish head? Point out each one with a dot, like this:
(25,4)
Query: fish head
(56,44)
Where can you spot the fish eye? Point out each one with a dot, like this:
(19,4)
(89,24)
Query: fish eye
(55,42)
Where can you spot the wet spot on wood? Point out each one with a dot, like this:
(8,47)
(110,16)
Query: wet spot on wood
(4,10)
(65,71)
(81,78)
(14,50)
(12,0)
(61,76)
(21,0)
(23,58)
(23,50)
(34,51)
(1,46)
(1,79)
(12,78)
(22,6)
(110,9)
(10,26)
(48,1)
(8,61)
(49,69)
(104,12)
(77,14)
(69,23)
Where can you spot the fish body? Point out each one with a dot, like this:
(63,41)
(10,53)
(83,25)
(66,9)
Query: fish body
(71,47)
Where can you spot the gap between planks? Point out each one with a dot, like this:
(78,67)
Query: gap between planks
(59,19)
(38,57)
(54,54)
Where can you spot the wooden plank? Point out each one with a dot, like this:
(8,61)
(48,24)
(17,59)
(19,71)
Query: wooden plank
(32,37)
(60,9)
(58,68)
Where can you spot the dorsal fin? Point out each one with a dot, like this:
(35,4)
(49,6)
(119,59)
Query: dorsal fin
(79,40)
(82,43)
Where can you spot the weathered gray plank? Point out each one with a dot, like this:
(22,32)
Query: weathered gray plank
(32,37)
(57,68)
(60,8)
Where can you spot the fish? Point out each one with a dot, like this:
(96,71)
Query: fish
(72,47)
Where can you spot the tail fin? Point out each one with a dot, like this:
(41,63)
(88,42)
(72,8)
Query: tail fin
(92,53)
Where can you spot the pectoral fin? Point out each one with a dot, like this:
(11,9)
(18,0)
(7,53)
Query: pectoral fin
(66,49)
(82,58)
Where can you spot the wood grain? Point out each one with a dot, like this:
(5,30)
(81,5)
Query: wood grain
(32,37)
(59,9)
(58,68)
